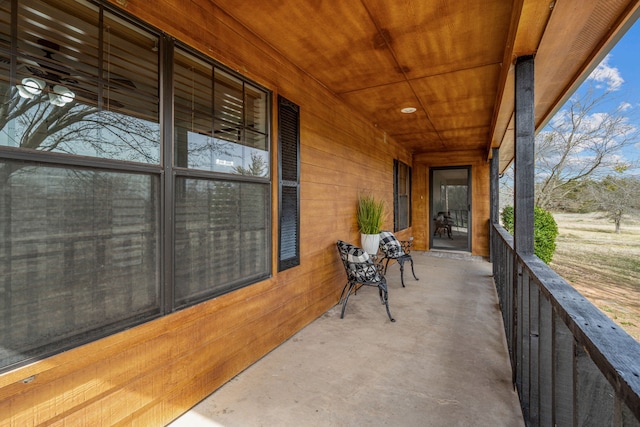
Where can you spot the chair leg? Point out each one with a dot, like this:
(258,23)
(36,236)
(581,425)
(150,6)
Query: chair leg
(385,297)
(342,293)
(382,290)
(401,262)
(346,298)
(413,272)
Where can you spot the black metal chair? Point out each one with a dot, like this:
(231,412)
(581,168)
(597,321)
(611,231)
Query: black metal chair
(361,270)
(392,248)
(442,223)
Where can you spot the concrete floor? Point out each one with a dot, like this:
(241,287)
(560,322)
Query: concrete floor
(444,361)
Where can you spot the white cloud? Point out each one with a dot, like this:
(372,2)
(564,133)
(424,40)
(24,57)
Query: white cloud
(625,106)
(606,75)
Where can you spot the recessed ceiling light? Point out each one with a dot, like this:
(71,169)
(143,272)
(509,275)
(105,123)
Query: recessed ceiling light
(408,110)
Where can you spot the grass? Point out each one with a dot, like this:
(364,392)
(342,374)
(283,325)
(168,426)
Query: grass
(370,214)
(602,265)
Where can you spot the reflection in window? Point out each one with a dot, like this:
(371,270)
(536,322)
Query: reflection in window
(78,253)
(220,120)
(222,236)
(74,95)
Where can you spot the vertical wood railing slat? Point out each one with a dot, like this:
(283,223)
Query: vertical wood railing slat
(523,341)
(594,394)
(546,362)
(572,365)
(534,352)
(563,402)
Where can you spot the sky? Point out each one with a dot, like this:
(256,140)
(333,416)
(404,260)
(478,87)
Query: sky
(619,71)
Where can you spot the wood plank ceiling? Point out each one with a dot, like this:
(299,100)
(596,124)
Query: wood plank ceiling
(451,60)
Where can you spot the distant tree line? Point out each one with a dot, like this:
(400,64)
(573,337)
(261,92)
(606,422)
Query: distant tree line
(614,195)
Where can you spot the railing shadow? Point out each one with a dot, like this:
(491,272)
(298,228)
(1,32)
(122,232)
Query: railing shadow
(572,365)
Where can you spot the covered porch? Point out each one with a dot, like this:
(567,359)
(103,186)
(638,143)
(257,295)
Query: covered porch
(443,363)
(375,95)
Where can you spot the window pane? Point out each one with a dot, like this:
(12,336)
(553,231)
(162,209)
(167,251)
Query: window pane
(78,255)
(72,95)
(222,237)
(130,76)
(255,102)
(228,105)
(5,23)
(242,159)
(193,97)
(220,121)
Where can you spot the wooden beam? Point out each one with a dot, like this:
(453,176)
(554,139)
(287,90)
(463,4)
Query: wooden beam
(524,156)
(494,194)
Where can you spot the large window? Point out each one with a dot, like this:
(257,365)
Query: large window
(222,213)
(102,225)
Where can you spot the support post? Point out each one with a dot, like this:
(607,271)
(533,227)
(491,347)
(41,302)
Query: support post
(524,173)
(494,194)
(524,164)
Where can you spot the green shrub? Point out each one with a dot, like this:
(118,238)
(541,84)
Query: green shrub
(507,218)
(545,231)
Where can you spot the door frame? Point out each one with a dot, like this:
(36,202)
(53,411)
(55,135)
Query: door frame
(468,169)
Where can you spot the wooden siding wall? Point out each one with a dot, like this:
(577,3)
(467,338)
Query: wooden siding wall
(480,196)
(152,373)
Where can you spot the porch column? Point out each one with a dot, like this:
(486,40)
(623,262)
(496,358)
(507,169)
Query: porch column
(494,195)
(524,161)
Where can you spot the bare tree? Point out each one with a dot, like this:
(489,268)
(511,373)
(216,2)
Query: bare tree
(77,128)
(258,166)
(581,142)
(615,196)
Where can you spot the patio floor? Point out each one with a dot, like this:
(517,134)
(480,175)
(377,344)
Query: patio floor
(444,362)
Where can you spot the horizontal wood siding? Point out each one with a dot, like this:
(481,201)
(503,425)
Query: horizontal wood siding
(150,374)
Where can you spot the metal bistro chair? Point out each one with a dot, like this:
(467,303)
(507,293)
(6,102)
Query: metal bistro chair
(442,223)
(361,270)
(392,248)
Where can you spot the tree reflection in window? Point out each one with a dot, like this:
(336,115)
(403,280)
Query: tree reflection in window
(111,107)
(220,120)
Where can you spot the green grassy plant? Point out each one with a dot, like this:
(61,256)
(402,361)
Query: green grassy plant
(370,214)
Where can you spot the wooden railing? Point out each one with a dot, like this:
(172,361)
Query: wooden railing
(572,365)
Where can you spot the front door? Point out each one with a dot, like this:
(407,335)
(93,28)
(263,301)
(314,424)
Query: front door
(450,208)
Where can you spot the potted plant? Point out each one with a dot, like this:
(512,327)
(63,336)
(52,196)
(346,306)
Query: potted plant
(370,219)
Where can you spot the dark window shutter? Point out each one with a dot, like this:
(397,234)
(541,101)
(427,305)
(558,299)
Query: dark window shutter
(289,185)
(401,195)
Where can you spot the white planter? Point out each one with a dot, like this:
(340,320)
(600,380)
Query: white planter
(370,243)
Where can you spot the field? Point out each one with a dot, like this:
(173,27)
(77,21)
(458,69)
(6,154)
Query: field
(602,265)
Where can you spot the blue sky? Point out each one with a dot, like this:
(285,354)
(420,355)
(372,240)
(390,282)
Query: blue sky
(620,73)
